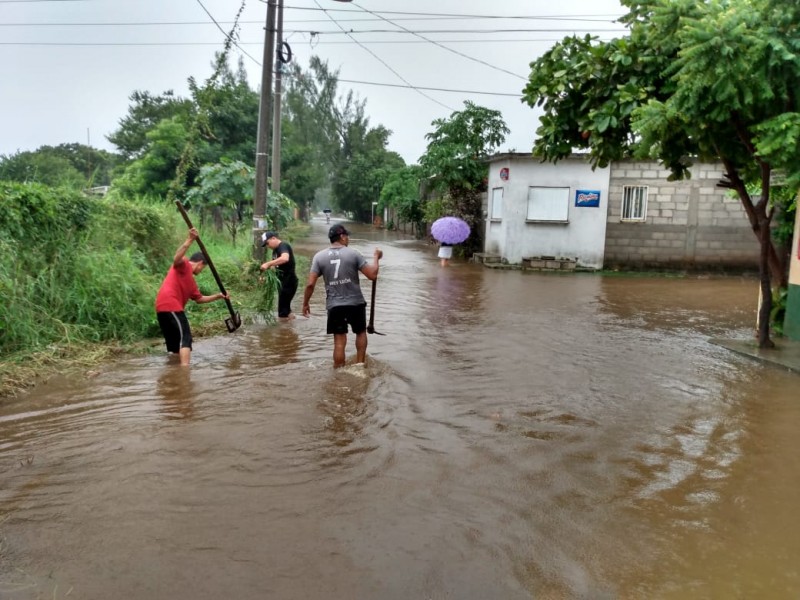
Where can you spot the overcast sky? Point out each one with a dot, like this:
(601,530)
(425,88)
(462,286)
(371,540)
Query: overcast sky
(68,67)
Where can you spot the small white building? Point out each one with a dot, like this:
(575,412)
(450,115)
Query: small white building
(537,209)
(627,215)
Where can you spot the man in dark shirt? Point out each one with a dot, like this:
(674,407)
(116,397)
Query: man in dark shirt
(283,262)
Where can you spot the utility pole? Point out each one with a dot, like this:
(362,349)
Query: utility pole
(262,142)
(276,122)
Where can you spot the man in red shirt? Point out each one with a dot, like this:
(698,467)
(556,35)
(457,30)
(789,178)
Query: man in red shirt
(176,290)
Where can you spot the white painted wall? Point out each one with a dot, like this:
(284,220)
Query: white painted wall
(514,238)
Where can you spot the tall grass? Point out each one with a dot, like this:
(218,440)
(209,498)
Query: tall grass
(78,271)
(76,277)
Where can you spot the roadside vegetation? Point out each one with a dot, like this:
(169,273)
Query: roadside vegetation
(79,275)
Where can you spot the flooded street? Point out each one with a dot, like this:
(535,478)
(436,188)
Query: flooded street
(515,435)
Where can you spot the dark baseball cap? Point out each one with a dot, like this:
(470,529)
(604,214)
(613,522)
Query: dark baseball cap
(336,231)
(266,236)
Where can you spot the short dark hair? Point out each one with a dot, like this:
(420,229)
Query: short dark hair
(337,231)
(198,257)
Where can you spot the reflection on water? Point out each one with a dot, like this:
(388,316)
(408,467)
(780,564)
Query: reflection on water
(513,435)
(177,392)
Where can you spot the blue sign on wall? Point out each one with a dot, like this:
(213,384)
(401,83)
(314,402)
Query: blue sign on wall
(587,198)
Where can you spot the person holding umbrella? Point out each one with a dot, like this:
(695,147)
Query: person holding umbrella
(449,231)
(445,253)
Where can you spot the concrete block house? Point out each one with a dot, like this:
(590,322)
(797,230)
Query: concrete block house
(626,216)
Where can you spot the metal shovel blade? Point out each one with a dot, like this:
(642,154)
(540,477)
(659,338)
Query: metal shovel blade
(233,323)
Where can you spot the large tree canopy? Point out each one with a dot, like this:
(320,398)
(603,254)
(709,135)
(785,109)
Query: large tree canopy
(329,142)
(458,144)
(402,193)
(67,165)
(454,161)
(711,80)
(145,112)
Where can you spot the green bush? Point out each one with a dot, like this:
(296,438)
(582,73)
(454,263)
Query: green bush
(77,269)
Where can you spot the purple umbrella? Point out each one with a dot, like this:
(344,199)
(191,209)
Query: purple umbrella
(450,230)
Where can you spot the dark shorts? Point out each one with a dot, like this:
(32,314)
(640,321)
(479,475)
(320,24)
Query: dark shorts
(175,327)
(340,317)
(285,296)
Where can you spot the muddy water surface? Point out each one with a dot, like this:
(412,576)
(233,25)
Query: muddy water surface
(514,436)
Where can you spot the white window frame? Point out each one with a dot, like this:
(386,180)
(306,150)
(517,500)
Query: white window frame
(634,203)
(496,209)
(550,205)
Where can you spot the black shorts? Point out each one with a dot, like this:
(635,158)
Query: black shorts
(339,317)
(175,327)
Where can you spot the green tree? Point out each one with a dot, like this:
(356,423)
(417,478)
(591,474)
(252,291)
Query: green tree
(162,133)
(364,167)
(402,193)
(65,165)
(454,160)
(328,143)
(41,167)
(310,139)
(152,174)
(232,117)
(145,112)
(224,191)
(712,80)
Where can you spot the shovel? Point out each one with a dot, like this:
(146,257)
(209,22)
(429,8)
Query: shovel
(371,326)
(235,321)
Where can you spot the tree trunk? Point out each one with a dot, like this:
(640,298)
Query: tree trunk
(755,214)
(765,238)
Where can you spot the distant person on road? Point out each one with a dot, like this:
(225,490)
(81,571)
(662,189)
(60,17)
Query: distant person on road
(283,262)
(339,267)
(177,288)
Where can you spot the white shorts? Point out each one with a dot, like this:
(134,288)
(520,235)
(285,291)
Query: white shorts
(445,252)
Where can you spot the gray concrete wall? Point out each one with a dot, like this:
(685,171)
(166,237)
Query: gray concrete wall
(690,224)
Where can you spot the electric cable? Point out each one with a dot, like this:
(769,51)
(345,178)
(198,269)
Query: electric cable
(440,45)
(384,63)
(227,35)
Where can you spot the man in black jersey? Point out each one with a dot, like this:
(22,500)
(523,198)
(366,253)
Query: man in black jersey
(283,262)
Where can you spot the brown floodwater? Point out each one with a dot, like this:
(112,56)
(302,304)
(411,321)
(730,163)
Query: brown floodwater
(515,435)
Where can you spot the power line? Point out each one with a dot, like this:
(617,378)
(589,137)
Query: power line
(227,35)
(314,31)
(239,44)
(353,20)
(383,62)
(433,89)
(450,15)
(443,31)
(412,87)
(440,45)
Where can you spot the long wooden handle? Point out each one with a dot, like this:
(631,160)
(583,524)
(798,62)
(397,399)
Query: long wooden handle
(372,305)
(207,258)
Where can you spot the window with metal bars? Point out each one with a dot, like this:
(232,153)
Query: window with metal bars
(634,203)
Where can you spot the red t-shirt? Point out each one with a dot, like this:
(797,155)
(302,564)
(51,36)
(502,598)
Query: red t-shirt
(176,290)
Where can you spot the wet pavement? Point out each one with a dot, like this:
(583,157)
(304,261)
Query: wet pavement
(785,354)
